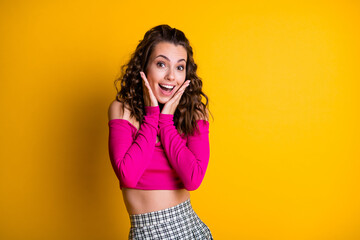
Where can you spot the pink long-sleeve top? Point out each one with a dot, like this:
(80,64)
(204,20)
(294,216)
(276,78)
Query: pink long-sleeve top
(175,162)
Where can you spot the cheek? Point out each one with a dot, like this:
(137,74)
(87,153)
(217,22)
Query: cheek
(182,77)
(183,74)
(153,75)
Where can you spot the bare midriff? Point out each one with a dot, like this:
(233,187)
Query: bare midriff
(139,201)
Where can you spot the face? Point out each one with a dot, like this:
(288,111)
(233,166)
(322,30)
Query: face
(166,70)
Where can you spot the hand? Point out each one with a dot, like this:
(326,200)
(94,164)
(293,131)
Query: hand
(171,105)
(149,97)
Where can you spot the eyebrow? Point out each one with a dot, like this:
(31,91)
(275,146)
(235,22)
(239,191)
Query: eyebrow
(169,59)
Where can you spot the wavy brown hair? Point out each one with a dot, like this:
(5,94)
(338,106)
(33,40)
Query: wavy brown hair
(190,107)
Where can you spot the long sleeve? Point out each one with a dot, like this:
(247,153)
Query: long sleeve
(190,160)
(130,157)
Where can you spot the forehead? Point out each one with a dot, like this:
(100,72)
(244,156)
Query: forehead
(174,53)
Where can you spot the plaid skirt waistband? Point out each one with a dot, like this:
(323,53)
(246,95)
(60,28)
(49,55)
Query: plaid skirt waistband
(161,216)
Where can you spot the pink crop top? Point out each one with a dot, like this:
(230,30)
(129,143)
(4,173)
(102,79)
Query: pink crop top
(175,162)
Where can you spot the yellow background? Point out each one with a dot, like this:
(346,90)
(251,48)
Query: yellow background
(283,82)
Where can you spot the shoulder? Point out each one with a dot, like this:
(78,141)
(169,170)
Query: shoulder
(200,116)
(117,111)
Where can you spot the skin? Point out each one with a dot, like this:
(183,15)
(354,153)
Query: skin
(170,70)
(167,65)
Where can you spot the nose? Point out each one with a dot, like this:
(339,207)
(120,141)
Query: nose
(170,75)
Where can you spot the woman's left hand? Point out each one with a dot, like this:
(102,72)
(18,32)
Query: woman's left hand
(171,105)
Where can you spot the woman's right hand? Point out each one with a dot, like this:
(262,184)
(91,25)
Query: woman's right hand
(149,97)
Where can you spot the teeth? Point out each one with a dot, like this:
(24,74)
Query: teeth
(167,86)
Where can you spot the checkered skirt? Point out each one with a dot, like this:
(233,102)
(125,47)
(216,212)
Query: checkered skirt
(178,222)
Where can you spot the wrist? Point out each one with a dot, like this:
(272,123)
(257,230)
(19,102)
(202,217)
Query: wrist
(152,110)
(164,117)
(167,110)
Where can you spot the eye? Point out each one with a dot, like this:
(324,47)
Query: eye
(160,64)
(181,68)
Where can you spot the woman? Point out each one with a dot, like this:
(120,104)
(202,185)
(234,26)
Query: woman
(159,137)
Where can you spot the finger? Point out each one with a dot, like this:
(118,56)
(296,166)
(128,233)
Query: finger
(149,90)
(176,100)
(184,86)
(142,74)
(177,96)
(146,83)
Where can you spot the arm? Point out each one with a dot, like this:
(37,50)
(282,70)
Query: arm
(130,157)
(189,161)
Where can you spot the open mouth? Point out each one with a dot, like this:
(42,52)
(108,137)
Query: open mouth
(166,89)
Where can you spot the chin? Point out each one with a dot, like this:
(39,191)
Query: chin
(161,101)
